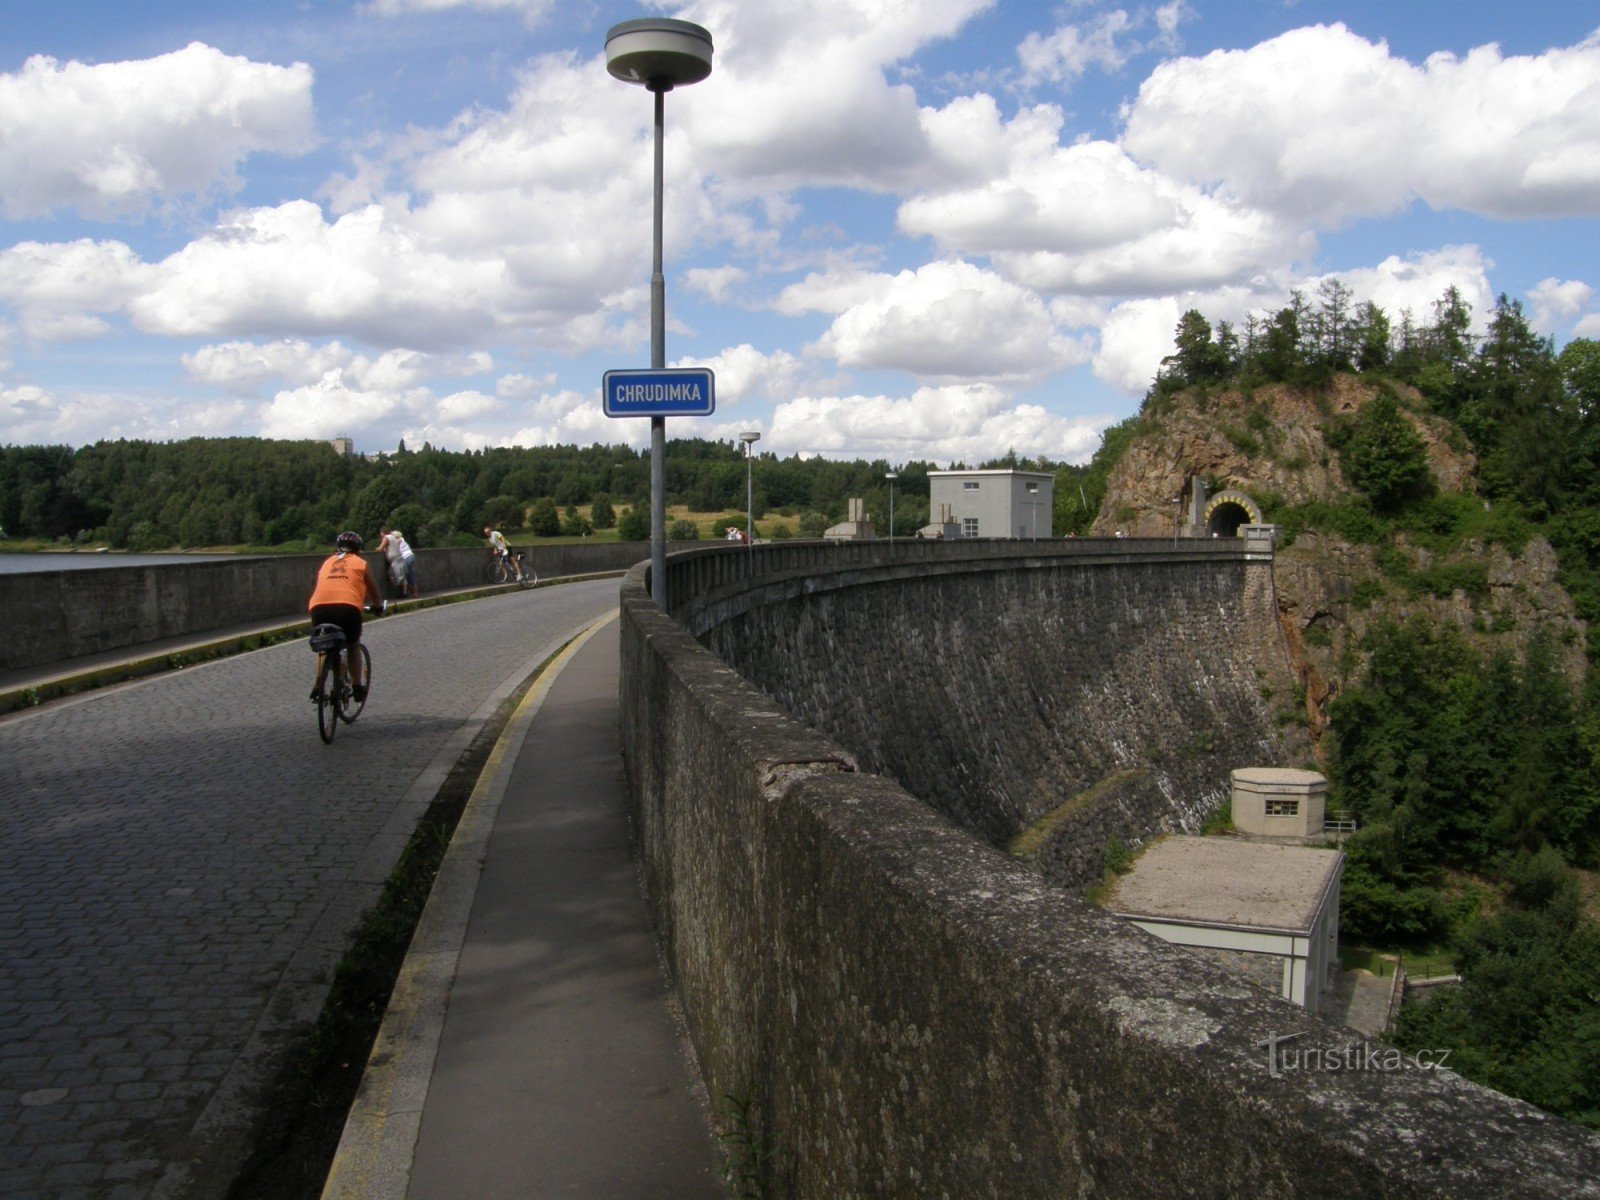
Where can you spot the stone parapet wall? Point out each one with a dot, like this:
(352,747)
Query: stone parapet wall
(908,1011)
(51,616)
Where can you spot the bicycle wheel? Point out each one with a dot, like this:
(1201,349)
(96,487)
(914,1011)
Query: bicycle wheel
(328,698)
(529,575)
(349,707)
(496,570)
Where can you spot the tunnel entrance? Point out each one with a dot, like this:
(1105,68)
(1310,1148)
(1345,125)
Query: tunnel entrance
(1227,511)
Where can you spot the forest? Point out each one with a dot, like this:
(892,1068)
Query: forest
(250,492)
(1474,775)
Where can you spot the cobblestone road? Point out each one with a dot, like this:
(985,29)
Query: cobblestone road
(182,862)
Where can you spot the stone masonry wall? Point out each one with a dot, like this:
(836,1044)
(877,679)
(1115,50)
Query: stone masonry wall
(1071,705)
(907,1011)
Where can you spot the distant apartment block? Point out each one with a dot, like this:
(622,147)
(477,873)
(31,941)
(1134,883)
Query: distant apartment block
(1004,503)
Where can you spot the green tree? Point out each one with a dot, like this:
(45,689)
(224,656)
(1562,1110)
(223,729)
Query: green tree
(373,504)
(545,519)
(1384,456)
(634,525)
(601,512)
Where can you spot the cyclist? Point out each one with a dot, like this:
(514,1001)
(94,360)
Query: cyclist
(498,547)
(344,585)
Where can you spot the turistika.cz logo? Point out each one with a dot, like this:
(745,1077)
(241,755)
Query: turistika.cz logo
(1284,1059)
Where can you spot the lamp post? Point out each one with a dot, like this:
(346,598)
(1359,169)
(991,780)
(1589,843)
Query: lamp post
(891,476)
(660,53)
(749,437)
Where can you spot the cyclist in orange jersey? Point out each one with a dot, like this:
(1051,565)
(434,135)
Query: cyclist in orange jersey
(344,585)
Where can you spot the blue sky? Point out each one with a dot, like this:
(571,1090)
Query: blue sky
(900,229)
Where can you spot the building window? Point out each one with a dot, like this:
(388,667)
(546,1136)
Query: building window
(1282,808)
(969,526)
(970,485)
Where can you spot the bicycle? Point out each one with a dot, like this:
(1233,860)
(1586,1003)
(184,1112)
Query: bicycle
(502,569)
(334,694)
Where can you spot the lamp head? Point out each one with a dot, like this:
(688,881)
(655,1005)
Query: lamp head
(658,52)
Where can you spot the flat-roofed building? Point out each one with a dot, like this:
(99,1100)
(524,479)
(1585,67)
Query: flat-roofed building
(1268,909)
(999,503)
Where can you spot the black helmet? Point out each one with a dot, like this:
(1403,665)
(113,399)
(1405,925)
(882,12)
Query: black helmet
(348,540)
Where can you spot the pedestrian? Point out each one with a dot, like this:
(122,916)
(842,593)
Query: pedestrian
(401,560)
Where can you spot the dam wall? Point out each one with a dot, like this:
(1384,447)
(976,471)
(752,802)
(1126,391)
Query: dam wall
(899,1007)
(55,615)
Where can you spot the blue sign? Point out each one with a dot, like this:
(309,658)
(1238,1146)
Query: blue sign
(678,392)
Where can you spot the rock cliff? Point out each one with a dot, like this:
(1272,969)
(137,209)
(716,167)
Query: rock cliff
(1272,444)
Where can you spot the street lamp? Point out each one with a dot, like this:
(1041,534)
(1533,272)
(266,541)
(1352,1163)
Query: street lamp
(891,477)
(660,53)
(750,437)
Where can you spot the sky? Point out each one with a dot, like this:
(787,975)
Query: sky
(894,229)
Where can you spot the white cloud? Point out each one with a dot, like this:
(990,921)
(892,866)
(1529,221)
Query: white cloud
(1071,50)
(1321,124)
(245,367)
(799,96)
(961,422)
(745,374)
(716,284)
(58,290)
(1557,303)
(332,406)
(112,139)
(948,322)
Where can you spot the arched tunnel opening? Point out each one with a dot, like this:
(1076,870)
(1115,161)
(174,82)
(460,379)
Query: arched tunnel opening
(1225,520)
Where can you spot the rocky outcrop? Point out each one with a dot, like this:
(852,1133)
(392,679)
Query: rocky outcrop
(1272,445)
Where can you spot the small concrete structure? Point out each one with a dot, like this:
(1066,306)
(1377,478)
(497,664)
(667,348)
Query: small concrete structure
(1269,910)
(1004,503)
(856,527)
(1278,801)
(944,528)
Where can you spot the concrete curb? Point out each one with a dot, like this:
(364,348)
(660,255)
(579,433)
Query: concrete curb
(373,1160)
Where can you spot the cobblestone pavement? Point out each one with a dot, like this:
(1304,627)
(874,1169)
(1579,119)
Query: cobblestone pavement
(182,862)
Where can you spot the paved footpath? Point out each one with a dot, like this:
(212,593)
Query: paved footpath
(182,862)
(530,1050)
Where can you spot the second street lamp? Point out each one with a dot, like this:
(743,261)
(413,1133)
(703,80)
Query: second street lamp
(891,477)
(750,437)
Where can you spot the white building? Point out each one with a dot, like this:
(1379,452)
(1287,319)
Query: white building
(1270,910)
(1004,503)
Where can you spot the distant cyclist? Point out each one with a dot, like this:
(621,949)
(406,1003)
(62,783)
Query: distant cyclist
(497,545)
(343,587)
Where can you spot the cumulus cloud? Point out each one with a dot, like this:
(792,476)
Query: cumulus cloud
(113,139)
(245,367)
(744,373)
(800,95)
(1558,303)
(956,422)
(948,322)
(59,290)
(1324,125)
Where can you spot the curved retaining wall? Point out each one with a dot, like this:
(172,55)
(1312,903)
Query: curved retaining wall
(907,1011)
(55,615)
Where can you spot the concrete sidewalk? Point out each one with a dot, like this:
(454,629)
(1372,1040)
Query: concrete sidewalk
(531,1048)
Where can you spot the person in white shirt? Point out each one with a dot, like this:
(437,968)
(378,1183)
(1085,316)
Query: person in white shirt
(402,560)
